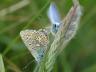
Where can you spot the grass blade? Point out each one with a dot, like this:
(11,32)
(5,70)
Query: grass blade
(2,69)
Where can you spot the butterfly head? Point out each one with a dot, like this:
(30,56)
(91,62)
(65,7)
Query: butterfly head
(55,28)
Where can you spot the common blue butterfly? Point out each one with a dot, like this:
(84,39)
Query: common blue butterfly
(54,17)
(36,42)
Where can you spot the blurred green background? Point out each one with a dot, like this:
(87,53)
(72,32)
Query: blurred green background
(78,56)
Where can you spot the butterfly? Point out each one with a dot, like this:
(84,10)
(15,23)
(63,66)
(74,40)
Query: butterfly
(73,18)
(36,42)
(54,17)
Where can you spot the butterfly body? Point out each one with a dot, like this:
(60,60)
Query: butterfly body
(54,28)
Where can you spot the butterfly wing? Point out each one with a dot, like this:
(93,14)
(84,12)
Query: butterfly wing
(36,42)
(53,14)
(54,17)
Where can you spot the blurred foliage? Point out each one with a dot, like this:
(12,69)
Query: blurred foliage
(79,55)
